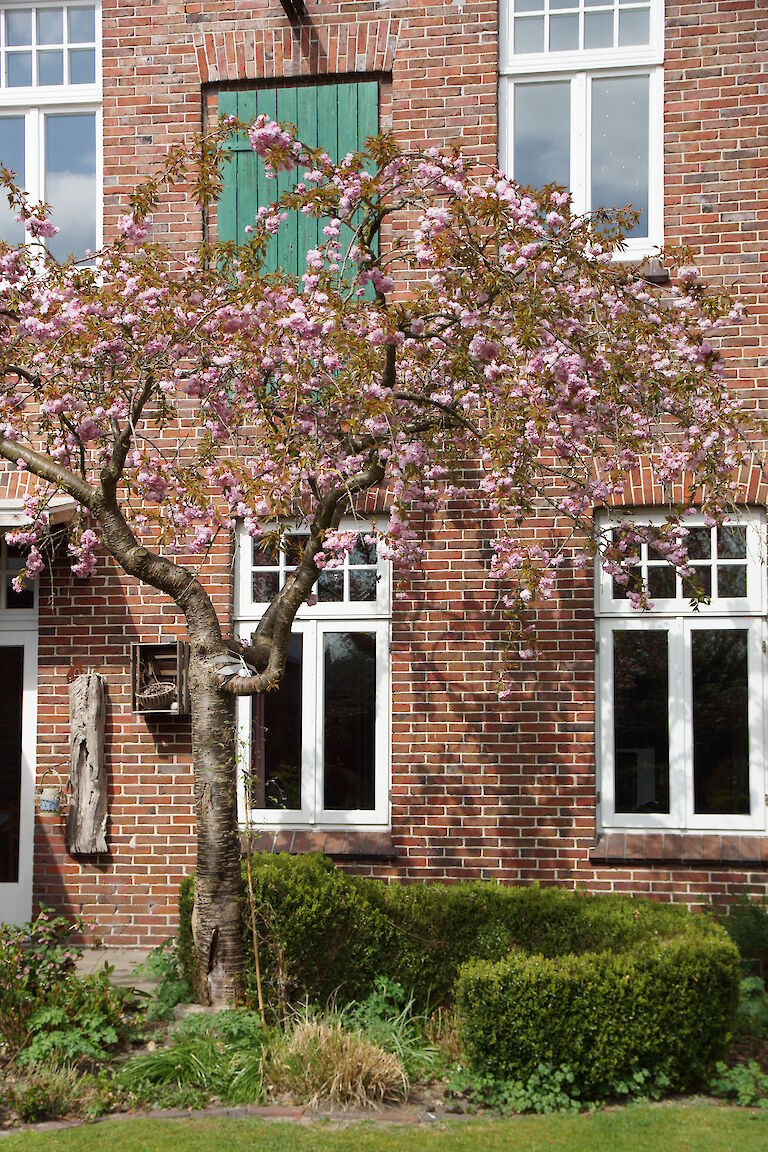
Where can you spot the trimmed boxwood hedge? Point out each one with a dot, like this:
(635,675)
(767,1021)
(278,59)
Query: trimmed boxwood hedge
(666,1006)
(325,932)
(604,984)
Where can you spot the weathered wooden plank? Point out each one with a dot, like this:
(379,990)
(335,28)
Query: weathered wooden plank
(87,816)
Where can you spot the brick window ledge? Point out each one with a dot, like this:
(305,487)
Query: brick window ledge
(337,843)
(680,848)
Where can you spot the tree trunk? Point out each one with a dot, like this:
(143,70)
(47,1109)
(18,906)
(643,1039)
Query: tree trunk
(216,920)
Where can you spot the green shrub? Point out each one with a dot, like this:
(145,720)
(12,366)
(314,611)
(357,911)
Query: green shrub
(164,965)
(666,1006)
(35,959)
(48,1013)
(86,1017)
(547,1090)
(752,1016)
(747,924)
(743,1084)
(325,933)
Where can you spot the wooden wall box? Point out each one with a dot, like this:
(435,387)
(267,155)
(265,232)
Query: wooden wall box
(160,678)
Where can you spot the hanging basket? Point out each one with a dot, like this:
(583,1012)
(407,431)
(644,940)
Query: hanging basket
(156,697)
(49,797)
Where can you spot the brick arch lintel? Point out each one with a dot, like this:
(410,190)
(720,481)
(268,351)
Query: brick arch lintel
(278,52)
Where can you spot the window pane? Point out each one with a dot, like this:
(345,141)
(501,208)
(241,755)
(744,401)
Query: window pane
(276,739)
(50,25)
(330,587)
(529,5)
(18,69)
(699,543)
(563,33)
(620,146)
(598,29)
(12,662)
(349,720)
(731,580)
(699,584)
(732,543)
(363,551)
(21,600)
(82,25)
(12,157)
(641,720)
(529,34)
(634,27)
(542,130)
(362,586)
(18,27)
(266,585)
(293,545)
(265,554)
(70,182)
(720,722)
(82,66)
(662,584)
(50,68)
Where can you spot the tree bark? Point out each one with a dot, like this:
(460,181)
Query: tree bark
(217,927)
(87,816)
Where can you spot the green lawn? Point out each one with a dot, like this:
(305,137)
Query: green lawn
(638,1128)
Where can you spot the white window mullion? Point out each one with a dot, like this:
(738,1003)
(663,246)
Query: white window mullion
(681,725)
(579,142)
(312,783)
(758,787)
(656,157)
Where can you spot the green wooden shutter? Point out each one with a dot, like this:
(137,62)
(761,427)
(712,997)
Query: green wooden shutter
(338,118)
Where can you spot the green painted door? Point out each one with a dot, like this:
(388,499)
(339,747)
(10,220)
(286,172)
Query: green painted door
(335,117)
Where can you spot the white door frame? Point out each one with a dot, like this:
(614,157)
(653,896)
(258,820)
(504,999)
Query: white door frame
(16,899)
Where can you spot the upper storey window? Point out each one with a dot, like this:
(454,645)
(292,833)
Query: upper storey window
(582,104)
(554,26)
(50,118)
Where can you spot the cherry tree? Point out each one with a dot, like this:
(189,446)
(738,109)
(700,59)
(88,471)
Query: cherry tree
(488,346)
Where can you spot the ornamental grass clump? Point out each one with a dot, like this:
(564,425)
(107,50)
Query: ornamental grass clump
(322,1062)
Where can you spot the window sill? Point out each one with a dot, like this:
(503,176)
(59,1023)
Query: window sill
(338,843)
(680,848)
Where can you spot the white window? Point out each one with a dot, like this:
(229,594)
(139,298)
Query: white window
(316,751)
(581,104)
(50,118)
(13,604)
(680,687)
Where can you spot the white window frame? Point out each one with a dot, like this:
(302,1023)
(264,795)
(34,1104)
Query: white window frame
(16,897)
(312,622)
(38,101)
(581,69)
(680,619)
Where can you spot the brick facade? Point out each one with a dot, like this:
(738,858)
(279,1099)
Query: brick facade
(503,791)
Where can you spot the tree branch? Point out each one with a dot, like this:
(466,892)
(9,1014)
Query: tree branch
(47,469)
(269,646)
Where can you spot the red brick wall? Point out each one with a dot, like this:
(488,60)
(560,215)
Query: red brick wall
(478,788)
